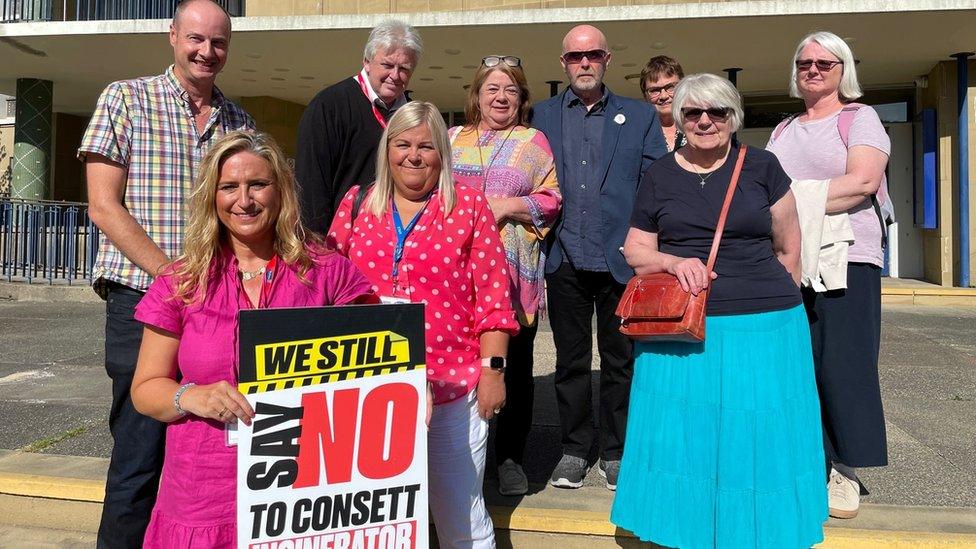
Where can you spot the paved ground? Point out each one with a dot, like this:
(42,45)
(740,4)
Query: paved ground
(54,397)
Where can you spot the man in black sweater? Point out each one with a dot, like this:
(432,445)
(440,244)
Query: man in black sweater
(340,129)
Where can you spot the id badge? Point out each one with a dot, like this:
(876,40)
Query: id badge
(401,289)
(230,433)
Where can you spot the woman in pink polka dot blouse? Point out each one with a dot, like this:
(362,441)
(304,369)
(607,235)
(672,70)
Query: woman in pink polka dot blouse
(420,238)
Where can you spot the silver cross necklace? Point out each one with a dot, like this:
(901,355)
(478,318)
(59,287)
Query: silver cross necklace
(700,176)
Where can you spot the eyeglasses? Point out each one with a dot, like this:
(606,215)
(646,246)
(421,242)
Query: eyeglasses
(594,56)
(656,91)
(715,114)
(823,65)
(495,60)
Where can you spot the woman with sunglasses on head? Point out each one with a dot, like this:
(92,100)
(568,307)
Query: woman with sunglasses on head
(657,80)
(723,441)
(844,142)
(496,153)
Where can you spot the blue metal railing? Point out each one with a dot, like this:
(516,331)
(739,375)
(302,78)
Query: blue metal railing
(26,10)
(98,10)
(46,241)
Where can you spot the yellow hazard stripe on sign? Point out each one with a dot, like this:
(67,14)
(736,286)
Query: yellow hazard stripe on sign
(305,381)
(330,355)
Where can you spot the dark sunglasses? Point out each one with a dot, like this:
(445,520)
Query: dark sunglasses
(595,56)
(694,114)
(495,60)
(823,65)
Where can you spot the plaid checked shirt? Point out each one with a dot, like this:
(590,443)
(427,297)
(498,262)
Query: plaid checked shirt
(146,125)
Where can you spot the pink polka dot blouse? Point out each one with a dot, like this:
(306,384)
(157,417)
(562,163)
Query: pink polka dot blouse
(453,263)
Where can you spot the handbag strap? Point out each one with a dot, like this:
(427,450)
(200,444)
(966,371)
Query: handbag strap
(720,228)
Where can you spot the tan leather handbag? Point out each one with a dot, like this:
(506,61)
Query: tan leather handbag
(655,308)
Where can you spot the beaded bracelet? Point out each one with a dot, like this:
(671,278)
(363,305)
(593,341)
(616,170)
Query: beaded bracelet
(176,398)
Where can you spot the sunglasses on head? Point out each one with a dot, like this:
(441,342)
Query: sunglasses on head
(495,60)
(694,114)
(594,56)
(823,65)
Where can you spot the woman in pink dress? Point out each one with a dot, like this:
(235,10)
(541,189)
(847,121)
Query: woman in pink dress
(422,239)
(245,248)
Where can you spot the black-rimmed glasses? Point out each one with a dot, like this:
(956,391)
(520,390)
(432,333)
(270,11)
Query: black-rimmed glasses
(823,65)
(495,60)
(594,56)
(656,91)
(718,114)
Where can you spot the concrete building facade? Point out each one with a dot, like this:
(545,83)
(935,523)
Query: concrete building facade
(284,51)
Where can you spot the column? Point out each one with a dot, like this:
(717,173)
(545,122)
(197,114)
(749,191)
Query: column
(32,139)
(733,74)
(962,138)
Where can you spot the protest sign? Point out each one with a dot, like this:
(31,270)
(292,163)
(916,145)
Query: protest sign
(336,457)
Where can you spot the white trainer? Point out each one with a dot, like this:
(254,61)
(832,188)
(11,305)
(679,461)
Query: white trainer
(843,496)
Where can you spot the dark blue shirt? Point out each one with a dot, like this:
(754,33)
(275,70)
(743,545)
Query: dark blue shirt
(582,155)
(673,203)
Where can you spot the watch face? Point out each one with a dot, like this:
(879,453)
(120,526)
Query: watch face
(497,363)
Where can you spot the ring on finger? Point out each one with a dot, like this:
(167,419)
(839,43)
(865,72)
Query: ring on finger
(222,412)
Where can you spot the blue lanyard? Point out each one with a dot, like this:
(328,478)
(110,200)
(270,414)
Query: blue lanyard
(402,233)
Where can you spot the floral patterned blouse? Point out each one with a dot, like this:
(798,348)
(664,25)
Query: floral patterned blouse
(453,263)
(514,163)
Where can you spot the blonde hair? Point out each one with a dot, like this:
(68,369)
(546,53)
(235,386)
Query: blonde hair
(205,234)
(849,88)
(409,116)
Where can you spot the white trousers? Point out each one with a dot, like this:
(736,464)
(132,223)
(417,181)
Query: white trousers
(457,443)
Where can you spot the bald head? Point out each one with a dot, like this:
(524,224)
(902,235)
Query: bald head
(207,9)
(585,59)
(584,38)
(200,37)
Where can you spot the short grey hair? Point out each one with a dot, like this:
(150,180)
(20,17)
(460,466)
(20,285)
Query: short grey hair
(708,90)
(394,34)
(849,88)
(409,116)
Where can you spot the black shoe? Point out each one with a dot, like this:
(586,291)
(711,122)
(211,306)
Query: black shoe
(569,472)
(609,469)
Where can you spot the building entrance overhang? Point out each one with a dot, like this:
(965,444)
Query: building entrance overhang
(292,57)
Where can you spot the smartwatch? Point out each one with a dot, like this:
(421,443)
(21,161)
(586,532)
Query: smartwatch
(496,363)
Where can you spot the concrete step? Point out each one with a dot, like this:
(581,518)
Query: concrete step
(893,292)
(44,538)
(515,539)
(57,510)
(48,513)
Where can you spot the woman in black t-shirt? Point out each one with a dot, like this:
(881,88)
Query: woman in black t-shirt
(723,439)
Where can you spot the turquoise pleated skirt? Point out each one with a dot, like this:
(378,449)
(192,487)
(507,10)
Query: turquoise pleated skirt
(724,446)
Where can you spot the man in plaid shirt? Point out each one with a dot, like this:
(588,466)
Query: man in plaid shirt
(141,150)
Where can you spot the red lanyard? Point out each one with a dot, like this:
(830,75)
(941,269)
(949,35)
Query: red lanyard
(266,281)
(376,112)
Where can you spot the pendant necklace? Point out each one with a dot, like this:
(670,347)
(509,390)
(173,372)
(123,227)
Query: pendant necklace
(494,156)
(248,275)
(703,178)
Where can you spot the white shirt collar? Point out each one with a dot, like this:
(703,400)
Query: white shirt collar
(375,99)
